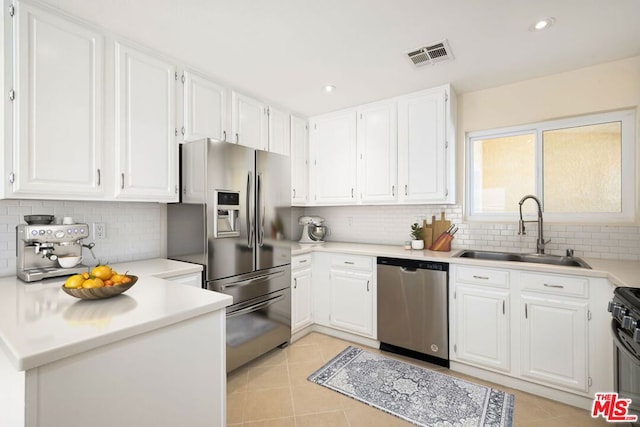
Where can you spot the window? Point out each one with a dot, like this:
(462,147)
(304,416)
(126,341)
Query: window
(582,169)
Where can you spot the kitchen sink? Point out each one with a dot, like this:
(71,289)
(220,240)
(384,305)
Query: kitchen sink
(516,257)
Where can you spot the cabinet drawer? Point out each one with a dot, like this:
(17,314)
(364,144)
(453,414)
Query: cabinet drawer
(555,284)
(300,261)
(353,262)
(484,276)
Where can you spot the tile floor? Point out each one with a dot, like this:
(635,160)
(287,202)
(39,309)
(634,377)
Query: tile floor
(273,391)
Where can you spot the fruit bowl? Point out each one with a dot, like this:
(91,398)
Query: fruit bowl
(101,293)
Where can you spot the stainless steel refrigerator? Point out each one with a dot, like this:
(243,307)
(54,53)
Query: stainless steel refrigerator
(233,219)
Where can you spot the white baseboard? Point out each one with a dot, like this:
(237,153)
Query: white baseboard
(537,389)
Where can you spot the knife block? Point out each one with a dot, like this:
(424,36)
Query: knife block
(442,243)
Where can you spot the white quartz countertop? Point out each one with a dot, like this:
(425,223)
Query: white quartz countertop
(40,323)
(620,273)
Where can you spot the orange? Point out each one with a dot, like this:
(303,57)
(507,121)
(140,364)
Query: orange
(117,278)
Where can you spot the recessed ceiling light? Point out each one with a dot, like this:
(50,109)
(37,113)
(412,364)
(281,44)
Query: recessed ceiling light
(542,24)
(329,88)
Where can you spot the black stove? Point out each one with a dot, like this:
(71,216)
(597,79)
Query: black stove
(625,329)
(625,310)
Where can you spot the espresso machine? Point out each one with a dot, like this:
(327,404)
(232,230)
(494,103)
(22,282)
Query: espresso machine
(38,247)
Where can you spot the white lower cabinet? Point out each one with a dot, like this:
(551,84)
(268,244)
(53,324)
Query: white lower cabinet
(344,293)
(532,326)
(301,310)
(554,320)
(352,301)
(482,326)
(554,341)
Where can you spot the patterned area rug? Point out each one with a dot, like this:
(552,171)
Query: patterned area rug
(418,395)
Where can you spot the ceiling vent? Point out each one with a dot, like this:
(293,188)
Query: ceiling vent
(430,55)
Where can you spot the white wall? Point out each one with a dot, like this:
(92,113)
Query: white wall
(605,87)
(134,230)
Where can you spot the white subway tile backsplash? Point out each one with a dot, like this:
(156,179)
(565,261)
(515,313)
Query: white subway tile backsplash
(390,225)
(134,230)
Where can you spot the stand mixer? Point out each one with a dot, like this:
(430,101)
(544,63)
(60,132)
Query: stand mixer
(313,231)
(38,247)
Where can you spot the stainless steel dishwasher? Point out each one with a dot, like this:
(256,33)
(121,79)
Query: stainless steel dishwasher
(413,308)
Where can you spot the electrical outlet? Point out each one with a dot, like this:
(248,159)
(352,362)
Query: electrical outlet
(99,231)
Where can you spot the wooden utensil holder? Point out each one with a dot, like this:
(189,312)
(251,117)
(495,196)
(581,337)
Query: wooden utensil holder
(442,243)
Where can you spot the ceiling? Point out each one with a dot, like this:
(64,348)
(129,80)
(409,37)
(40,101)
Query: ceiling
(286,51)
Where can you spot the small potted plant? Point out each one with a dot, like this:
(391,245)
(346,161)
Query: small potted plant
(416,236)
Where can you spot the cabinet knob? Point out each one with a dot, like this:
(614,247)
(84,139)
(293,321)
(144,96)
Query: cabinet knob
(295,282)
(237,138)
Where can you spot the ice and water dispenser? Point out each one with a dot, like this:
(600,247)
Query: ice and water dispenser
(227,211)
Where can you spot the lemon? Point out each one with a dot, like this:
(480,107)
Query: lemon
(93,283)
(74,281)
(103,272)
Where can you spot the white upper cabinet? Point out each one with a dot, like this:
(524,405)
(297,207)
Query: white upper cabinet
(425,147)
(405,152)
(299,161)
(377,153)
(332,141)
(279,131)
(146,146)
(249,122)
(58,107)
(204,108)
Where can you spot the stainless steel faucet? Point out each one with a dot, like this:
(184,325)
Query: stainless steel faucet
(540,242)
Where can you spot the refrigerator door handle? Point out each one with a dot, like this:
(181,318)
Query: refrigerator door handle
(250,227)
(260,211)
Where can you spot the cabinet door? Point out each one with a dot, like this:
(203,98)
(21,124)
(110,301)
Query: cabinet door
(554,341)
(146,147)
(58,106)
(352,301)
(249,118)
(204,108)
(482,326)
(332,141)
(422,159)
(299,161)
(377,153)
(279,132)
(301,295)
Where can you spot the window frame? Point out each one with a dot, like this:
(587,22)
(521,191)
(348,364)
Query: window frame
(626,117)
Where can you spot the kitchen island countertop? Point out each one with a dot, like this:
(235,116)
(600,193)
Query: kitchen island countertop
(619,272)
(39,323)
